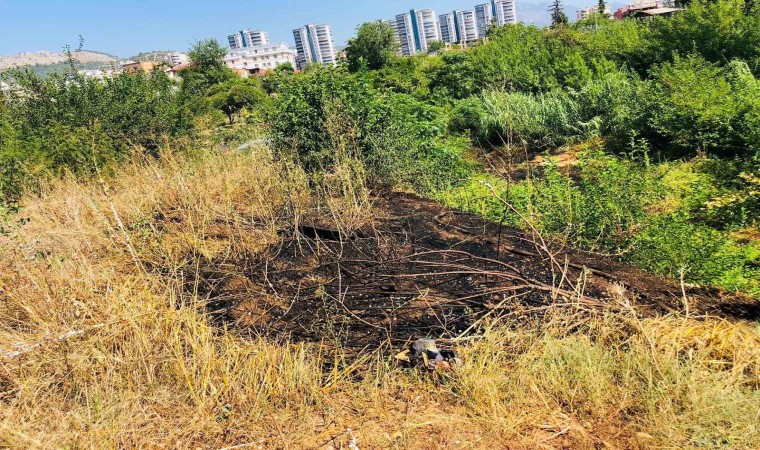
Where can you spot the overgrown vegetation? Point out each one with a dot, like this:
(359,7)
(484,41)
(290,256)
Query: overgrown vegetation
(132,350)
(638,140)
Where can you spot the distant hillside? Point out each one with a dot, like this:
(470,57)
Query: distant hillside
(157,56)
(44,58)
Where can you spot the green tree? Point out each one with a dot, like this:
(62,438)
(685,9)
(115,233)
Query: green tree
(285,68)
(559,18)
(603,8)
(207,67)
(233,96)
(373,47)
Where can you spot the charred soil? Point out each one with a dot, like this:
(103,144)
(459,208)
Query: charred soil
(420,270)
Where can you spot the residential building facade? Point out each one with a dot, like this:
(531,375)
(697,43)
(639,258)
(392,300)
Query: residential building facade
(586,12)
(448,25)
(467,26)
(248,38)
(314,44)
(178,58)
(416,30)
(496,12)
(140,66)
(394,26)
(646,9)
(260,58)
(484,17)
(505,12)
(458,27)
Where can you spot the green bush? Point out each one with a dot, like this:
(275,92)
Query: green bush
(675,247)
(400,139)
(695,106)
(717,30)
(316,113)
(69,123)
(614,101)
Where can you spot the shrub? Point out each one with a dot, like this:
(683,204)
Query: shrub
(719,31)
(696,106)
(321,110)
(673,246)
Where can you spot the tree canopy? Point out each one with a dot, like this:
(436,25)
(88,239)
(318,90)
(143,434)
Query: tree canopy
(373,47)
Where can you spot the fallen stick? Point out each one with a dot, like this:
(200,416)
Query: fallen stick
(28,348)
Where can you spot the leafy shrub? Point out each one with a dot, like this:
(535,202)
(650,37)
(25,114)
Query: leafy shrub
(673,246)
(614,100)
(718,31)
(71,123)
(696,106)
(314,111)
(329,111)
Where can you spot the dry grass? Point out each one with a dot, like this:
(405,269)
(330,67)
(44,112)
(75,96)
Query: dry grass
(112,350)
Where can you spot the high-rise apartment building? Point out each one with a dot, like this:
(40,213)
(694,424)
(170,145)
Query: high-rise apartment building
(484,17)
(496,12)
(458,27)
(315,44)
(467,27)
(448,25)
(416,30)
(394,26)
(248,38)
(505,12)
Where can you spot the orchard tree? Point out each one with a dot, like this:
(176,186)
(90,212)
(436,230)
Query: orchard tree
(373,47)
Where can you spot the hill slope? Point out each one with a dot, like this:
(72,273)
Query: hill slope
(43,58)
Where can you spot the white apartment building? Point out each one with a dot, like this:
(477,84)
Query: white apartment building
(496,12)
(248,38)
(260,58)
(585,12)
(505,12)
(467,26)
(484,18)
(315,44)
(458,27)
(416,30)
(448,28)
(178,59)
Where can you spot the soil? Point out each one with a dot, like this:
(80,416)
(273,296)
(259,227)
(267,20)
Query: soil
(421,270)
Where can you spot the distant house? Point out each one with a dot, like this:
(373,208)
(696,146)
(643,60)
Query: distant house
(178,58)
(585,13)
(658,12)
(174,71)
(260,58)
(644,10)
(141,67)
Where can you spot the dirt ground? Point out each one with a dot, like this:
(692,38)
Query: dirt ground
(421,270)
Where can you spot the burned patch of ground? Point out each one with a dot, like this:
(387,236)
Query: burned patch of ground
(420,270)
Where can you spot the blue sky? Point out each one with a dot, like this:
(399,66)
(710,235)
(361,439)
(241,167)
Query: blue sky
(126,27)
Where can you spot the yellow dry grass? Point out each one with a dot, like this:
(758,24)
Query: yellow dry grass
(104,346)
